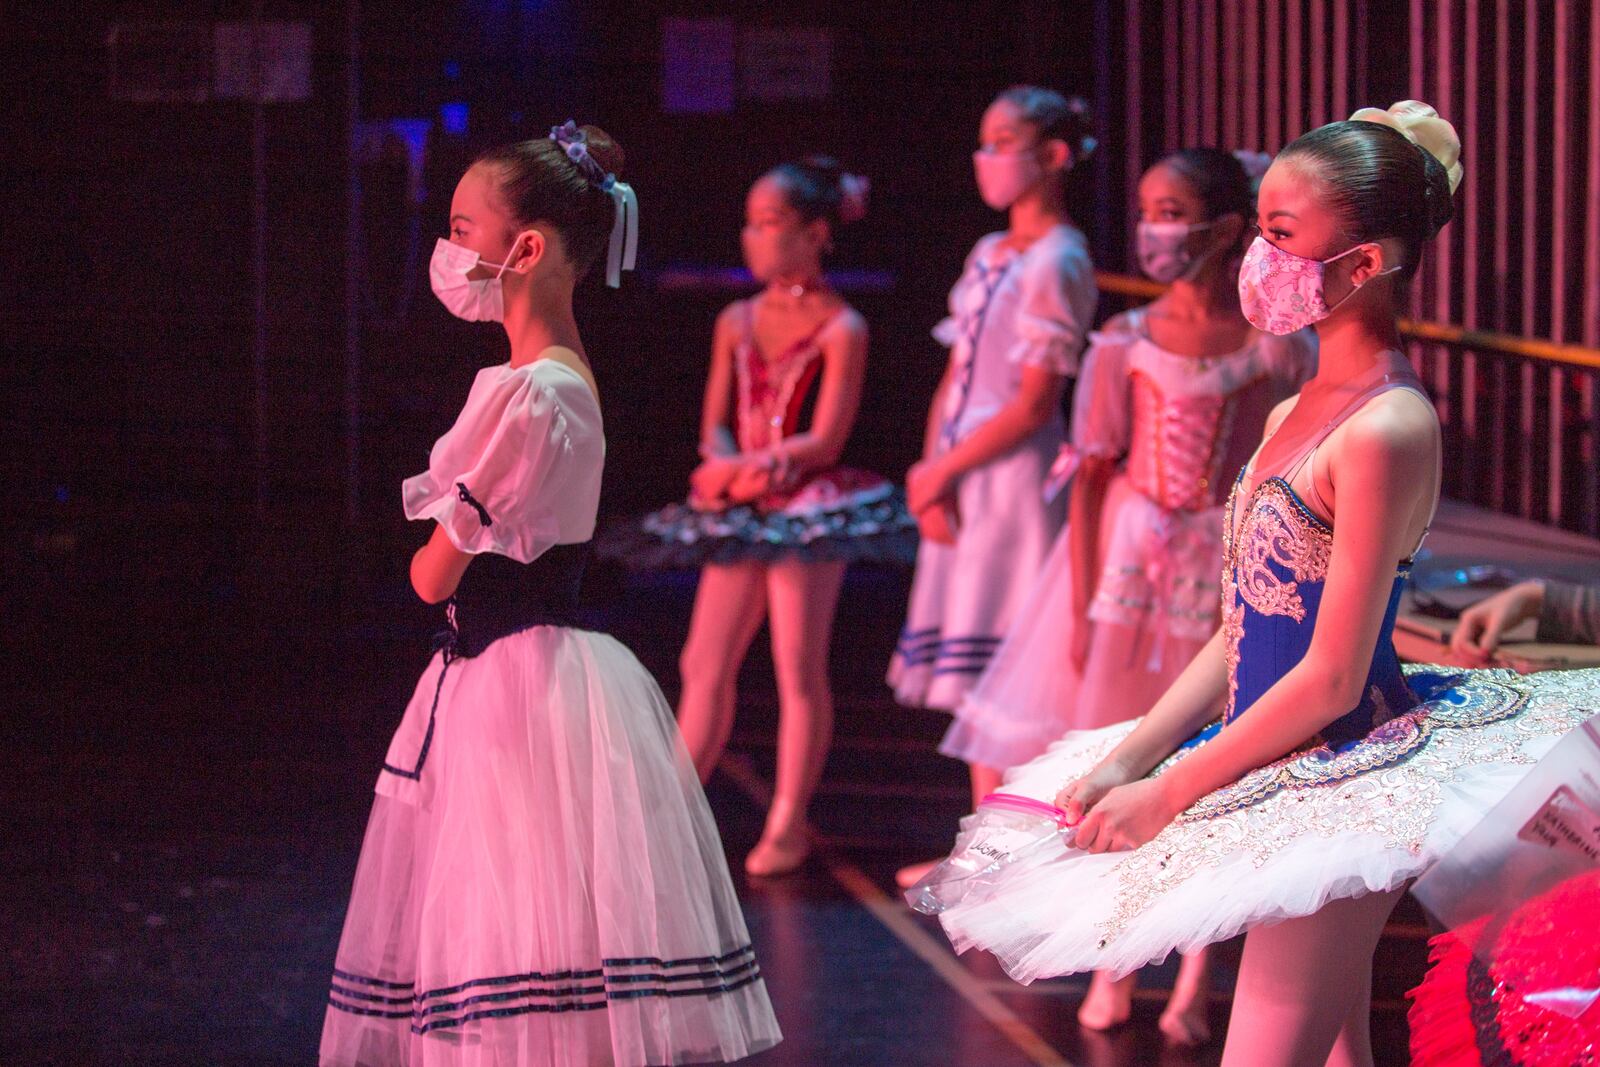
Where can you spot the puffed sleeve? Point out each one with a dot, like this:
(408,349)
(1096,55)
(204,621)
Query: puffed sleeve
(494,479)
(1056,305)
(1102,403)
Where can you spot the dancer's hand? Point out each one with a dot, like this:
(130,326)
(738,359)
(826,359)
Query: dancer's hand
(1127,817)
(928,482)
(1078,797)
(751,481)
(708,485)
(1481,626)
(939,524)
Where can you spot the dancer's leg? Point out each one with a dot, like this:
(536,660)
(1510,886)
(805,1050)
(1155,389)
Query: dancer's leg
(728,607)
(1108,1002)
(1353,1048)
(1302,985)
(801,598)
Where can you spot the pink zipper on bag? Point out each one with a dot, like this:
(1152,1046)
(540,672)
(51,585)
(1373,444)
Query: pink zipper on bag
(1016,802)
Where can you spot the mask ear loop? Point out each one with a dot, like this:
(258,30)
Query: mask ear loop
(509,257)
(1354,288)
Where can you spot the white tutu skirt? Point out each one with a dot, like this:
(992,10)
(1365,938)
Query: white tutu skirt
(1280,843)
(541,881)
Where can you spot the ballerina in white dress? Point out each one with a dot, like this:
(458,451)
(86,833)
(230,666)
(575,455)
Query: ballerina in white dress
(541,883)
(1019,316)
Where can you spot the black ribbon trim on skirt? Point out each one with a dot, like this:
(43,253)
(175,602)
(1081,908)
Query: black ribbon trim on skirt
(690,961)
(560,999)
(686,976)
(362,979)
(447,640)
(372,998)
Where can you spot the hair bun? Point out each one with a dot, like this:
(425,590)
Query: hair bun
(1424,128)
(853,192)
(1255,164)
(605,150)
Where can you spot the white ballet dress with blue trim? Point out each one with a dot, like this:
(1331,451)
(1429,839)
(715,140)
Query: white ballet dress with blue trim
(1009,310)
(541,882)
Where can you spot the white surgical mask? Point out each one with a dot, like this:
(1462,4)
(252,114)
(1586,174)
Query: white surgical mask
(472,299)
(1162,248)
(1004,176)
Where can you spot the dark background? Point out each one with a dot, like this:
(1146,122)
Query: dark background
(159,487)
(208,632)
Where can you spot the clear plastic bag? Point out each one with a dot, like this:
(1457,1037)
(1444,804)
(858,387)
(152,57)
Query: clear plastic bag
(1005,828)
(1531,871)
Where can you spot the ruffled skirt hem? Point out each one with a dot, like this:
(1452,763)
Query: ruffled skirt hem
(1283,841)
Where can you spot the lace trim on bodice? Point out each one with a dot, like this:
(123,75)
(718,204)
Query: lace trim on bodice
(989,270)
(1179,443)
(771,391)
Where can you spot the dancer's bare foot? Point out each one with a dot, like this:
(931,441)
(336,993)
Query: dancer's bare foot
(1188,1025)
(906,877)
(778,853)
(1108,1003)
(1186,1022)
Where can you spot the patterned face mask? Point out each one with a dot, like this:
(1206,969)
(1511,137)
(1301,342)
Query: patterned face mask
(1163,248)
(1280,292)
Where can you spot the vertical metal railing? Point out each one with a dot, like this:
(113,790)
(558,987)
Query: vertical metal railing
(1521,81)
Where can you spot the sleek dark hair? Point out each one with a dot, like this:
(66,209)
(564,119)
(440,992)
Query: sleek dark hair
(1379,182)
(814,187)
(1056,117)
(540,183)
(1217,178)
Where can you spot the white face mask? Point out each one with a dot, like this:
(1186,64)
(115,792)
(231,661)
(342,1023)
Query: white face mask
(1162,248)
(1004,176)
(472,299)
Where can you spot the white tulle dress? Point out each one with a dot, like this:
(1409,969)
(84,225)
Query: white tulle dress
(1009,310)
(541,881)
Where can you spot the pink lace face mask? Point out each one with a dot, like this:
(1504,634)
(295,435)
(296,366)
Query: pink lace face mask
(1281,292)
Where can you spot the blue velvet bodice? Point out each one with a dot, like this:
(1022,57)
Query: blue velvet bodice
(1276,565)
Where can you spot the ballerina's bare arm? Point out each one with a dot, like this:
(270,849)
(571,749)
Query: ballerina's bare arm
(710,481)
(1085,508)
(715,437)
(1038,399)
(934,425)
(1190,702)
(1376,462)
(437,567)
